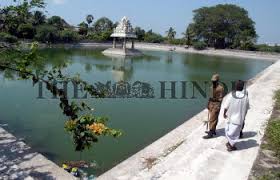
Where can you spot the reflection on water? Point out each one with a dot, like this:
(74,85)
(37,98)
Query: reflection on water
(169,58)
(41,123)
(122,69)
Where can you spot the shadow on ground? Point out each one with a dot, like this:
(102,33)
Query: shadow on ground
(249,134)
(246,134)
(246,144)
(12,154)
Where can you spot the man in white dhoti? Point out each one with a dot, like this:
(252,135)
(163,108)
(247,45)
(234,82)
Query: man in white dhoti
(235,110)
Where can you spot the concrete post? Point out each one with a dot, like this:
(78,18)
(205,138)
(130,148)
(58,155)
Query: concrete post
(114,42)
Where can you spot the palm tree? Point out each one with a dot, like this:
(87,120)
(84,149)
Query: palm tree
(171,33)
(189,34)
(89,19)
(39,18)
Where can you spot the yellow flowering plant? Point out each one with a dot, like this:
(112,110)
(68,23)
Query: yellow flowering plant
(87,128)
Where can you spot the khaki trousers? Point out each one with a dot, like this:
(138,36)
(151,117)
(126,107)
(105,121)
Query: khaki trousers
(213,120)
(214,110)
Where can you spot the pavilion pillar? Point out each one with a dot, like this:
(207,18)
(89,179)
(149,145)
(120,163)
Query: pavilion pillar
(114,42)
(132,44)
(124,43)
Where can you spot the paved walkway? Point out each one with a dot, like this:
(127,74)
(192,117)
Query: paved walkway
(183,154)
(17,161)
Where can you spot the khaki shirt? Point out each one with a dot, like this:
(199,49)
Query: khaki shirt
(217,95)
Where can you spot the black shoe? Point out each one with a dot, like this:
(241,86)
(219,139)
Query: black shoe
(231,148)
(208,136)
(207,132)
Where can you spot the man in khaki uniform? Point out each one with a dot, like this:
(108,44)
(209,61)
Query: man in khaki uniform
(214,105)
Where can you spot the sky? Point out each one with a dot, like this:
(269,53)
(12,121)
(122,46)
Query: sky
(159,15)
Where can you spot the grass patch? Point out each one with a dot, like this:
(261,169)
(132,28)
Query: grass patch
(273,136)
(277,100)
(267,165)
(270,176)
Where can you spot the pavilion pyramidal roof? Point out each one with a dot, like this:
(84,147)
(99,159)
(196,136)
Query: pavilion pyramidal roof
(124,29)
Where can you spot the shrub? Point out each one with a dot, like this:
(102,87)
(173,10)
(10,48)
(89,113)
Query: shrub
(47,33)
(26,31)
(277,49)
(264,47)
(178,41)
(68,36)
(83,28)
(153,38)
(248,45)
(267,48)
(8,38)
(57,22)
(199,45)
(100,37)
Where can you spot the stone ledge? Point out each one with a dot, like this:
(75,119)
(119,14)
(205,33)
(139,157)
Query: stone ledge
(18,161)
(196,158)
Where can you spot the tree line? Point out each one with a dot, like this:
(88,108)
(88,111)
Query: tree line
(221,26)
(27,21)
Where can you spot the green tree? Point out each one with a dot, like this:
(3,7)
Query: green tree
(102,29)
(103,24)
(100,37)
(11,17)
(199,45)
(68,36)
(189,35)
(171,33)
(7,38)
(224,26)
(39,18)
(47,34)
(26,31)
(36,4)
(140,33)
(83,28)
(89,19)
(152,37)
(58,22)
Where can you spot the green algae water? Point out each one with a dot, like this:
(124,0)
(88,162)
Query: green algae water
(143,120)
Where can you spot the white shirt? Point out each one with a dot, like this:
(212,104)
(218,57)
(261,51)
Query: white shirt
(237,105)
